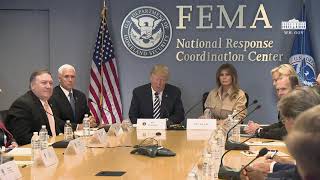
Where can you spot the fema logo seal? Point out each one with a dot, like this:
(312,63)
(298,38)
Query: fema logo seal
(146,32)
(305,68)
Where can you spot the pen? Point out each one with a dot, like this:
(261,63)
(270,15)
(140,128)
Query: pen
(267,141)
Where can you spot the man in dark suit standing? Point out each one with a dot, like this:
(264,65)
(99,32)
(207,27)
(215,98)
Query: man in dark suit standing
(72,103)
(28,112)
(157,99)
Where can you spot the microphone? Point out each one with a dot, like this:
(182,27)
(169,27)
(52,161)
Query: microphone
(261,153)
(170,124)
(192,107)
(56,117)
(232,145)
(253,102)
(226,172)
(91,101)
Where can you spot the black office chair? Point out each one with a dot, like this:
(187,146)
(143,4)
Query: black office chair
(3,116)
(205,95)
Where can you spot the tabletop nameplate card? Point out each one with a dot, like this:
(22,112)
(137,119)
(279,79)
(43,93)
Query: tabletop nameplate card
(151,133)
(75,146)
(9,171)
(115,130)
(151,123)
(101,136)
(48,156)
(201,124)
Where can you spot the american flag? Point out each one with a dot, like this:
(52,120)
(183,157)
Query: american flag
(104,88)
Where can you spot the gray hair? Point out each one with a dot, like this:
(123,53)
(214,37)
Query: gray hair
(65,66)
(297,101)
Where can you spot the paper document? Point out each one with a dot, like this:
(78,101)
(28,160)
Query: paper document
(265,143)
(23,163)
(19,152)
(255,153)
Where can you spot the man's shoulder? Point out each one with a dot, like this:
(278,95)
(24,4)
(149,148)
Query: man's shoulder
(142,88)
(26,100)
(57,91)
(173,88)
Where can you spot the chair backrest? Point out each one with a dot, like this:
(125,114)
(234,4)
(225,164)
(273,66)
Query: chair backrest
(204,98)
(205,95)
(247,96)
(3,116)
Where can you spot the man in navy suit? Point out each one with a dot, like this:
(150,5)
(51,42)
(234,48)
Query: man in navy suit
(290,107)
(33,109)
(157,99)
(71,103)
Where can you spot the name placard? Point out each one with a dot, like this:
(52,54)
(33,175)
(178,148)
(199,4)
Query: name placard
(151,123)
(100,135)
(201,124)
(48,157)
(159,134)
(203,134)
(9,171)
(75,146)
(115,130)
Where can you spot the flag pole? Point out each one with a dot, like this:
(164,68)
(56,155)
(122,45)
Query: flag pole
(103,21)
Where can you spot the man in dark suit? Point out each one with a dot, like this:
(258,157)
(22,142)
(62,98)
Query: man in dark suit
(290,107)
(157,99)
(28,112)
(276,130)
(71,103)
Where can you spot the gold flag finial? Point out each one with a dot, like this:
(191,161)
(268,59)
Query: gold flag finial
(104,11)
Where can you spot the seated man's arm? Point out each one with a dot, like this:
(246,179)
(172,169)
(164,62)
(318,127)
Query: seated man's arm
(134,111)
(177,115)
(19,122)
(272,133)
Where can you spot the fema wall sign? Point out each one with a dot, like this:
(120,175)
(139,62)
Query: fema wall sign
(146,32)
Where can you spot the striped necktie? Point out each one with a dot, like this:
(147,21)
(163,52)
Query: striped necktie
(156,106)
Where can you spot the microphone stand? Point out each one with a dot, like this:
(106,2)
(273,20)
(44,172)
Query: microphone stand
(232,145)
(106,127)
(226,172)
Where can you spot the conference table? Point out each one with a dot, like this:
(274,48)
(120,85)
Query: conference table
(188,146)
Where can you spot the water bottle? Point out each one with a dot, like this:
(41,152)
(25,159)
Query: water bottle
(236,130)
(192,176)
(35,146)
(68,133)
(86,125)
(229,124)
(220,137)
(206,166)
(43,136)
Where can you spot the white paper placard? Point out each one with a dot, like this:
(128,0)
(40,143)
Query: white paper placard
(151,123)
(75,146)
(48,156)
(250,153)
(198,134)
(201,124)
(115,130)
(100,135)
(9,171)
(159,134)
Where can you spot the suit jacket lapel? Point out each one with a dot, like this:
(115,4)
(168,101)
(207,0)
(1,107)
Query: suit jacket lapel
(42,115)
(149,101)
(164,104)
(67,103)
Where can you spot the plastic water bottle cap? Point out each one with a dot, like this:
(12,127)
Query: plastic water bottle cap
(68,121)
(43,126)
(35,133)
